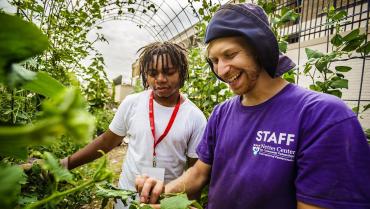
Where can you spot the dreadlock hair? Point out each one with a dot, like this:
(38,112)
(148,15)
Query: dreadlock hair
(163,51)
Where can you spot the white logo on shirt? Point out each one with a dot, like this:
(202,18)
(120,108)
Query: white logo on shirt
(274,145)
(276,138)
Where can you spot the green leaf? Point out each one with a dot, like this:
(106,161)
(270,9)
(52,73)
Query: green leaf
(11,179)
(268,6)
(201,11)
(355,109)
(322,64)
(339,15)
(335,92)
(354,43)
(307,68)
(283,46)
(337,40)
(367,132)
(110,191)
(290,76)
(24,200)
(19,40)
(366,107)
(352,35)
(44,84)
(10,150)
(180,201)
(64,113)
(71,106)
(313,53)
(288,15)
(343,68)
(19,75)
(16,139)
(364,48)
(52,164)
(340,83)
(315,88)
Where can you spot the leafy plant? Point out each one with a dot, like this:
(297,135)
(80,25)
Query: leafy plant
(52,165)
(324,77)
(280,18)
(202,87)
(63,111)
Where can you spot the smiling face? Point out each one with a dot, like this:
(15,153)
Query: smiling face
(163,77)
(234,62)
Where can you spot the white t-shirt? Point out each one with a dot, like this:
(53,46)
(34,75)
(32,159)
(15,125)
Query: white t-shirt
(132,121)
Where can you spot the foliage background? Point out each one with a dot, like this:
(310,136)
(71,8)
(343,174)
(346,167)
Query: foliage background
(65,27)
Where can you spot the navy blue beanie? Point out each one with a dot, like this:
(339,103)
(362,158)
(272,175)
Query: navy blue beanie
(251,22)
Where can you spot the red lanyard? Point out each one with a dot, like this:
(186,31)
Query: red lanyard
(152,125)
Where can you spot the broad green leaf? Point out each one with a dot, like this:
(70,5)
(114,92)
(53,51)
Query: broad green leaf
(17,151)
(339,15)
(180,201)
(313,53)
(201,11)
(364,48)
(340,83)
(19,40)
(290,76)
(335,92)
(40,82)
(322,64)
(24,200)
(64,113)
(44,84)
(337,40)
(354,43)
(19,75)
(52,164)
(343,68)
(14,140)
(70,105)
(315,88)
(109,191)
(352,35)
(11,179)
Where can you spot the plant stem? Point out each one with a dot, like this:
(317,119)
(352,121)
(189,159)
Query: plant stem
(59,194)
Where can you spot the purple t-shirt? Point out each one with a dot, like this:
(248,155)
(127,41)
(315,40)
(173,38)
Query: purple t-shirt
(299,145)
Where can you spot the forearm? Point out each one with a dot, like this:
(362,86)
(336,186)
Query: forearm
(191,182)
(105,142)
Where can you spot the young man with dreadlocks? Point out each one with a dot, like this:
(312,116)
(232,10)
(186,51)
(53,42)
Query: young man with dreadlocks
(163,126)
(274,145)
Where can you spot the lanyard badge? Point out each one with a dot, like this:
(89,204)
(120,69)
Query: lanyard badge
(152,125)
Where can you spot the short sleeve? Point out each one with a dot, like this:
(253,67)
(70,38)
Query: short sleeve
(119,124)
(206,147)
(333,165)
(198,128)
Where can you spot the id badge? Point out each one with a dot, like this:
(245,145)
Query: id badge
(157,173)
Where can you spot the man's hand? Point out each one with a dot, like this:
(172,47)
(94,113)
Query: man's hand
(149,189)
